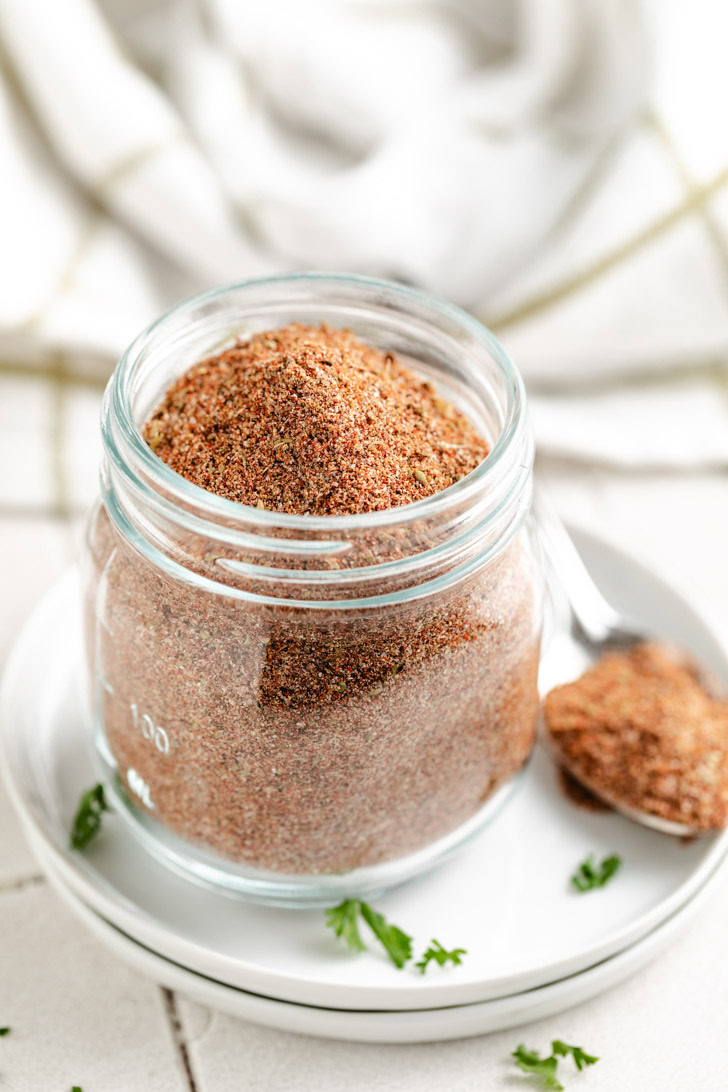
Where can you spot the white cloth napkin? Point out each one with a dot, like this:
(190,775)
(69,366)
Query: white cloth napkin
(490,151)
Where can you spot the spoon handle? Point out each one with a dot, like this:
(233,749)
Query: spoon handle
(596,621)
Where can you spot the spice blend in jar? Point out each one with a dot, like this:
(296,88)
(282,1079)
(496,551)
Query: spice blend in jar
(641,731)
(307,420)
(249,708)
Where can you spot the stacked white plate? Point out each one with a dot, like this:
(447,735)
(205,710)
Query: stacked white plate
(534,945)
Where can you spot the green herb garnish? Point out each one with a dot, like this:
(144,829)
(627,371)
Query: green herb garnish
(530,1061)
(87,821)
(343,919)
(581,1058)
(77,1088)
(5,1031)
(440,955)
(589,875)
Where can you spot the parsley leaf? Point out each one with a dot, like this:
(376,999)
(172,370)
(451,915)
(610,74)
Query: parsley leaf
(77,1088)
(530,1061)
(589,875)
(343,920)
(398,945)
(581,1058)
(87,821)
(5,1031)
(440,955)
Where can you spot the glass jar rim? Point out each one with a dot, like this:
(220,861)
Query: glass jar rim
(118,419)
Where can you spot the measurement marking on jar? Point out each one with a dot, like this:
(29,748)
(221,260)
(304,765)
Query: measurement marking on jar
(151,731)
(139,787)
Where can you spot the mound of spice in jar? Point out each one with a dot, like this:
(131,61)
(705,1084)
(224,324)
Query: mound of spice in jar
(312,741)
(639,730)
(312,421)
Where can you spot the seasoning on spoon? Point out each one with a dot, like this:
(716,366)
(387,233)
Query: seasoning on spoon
(640,731)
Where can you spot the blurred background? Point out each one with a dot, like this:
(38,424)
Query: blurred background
(558,167)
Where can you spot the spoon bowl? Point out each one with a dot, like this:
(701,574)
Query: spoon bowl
(591,628)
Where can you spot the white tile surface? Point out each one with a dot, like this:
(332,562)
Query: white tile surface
(78,1015)
(16,860)
(33,552)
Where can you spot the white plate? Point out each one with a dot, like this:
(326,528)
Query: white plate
(505,898)
(413,1026)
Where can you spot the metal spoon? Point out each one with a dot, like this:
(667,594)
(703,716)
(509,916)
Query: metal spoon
(589,628)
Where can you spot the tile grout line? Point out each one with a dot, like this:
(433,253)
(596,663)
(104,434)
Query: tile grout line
(39,511)
(46,372)
(175,1026)
(34,879)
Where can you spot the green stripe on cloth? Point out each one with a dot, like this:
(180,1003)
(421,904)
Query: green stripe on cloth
(584,277)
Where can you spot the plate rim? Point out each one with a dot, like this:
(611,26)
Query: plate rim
(506,1012)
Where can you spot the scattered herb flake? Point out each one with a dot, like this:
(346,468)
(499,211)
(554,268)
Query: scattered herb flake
(581,1058)
(530,1061)
(589,875)
(397,944)
(5,1031)
(343,920)
(440,955)
(87,822)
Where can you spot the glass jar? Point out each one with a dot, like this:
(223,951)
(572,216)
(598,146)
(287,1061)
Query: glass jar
(302,708)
